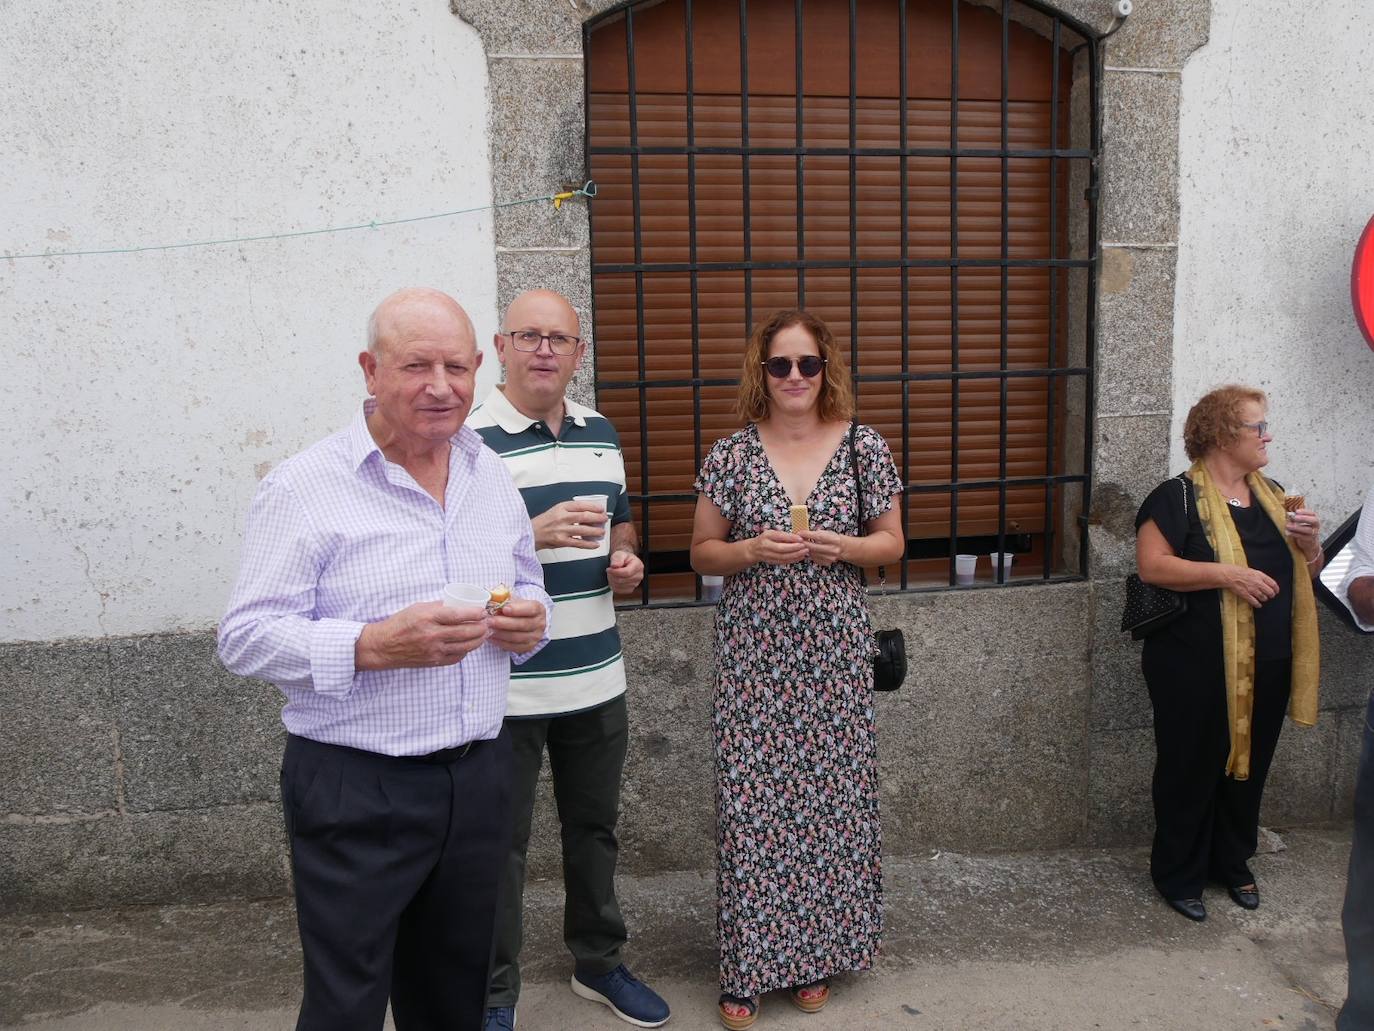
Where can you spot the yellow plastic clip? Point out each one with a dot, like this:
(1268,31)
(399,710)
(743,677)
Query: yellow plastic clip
(587,189)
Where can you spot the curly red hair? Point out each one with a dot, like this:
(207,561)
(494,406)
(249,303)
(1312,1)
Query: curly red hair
(1217,420)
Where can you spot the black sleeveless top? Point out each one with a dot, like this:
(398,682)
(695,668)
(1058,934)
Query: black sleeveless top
(1266,549)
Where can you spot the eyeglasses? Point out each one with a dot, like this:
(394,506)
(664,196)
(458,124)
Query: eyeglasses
(808,365)
(1260,428)
(529,340)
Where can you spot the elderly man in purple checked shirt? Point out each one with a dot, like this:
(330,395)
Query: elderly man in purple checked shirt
(396,779)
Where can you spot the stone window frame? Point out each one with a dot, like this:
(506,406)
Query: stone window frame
(536,128)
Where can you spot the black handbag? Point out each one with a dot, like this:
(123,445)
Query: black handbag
(1148,607)
(889,658)
(889,664)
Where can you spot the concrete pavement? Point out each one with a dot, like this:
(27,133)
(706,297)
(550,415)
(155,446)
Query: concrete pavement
(1063,940)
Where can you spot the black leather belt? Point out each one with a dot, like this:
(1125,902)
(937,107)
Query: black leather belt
(446,755)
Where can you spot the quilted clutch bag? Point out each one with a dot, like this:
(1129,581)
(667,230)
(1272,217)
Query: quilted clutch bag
(1148,608)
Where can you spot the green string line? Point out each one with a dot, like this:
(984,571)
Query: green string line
(587,189)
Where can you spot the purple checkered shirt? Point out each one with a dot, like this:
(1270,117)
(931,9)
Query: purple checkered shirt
(338,537)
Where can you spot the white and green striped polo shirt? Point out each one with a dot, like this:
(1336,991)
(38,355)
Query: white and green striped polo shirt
(581,666)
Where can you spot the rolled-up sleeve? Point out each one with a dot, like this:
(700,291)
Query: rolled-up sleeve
(270,629)
(1361,557)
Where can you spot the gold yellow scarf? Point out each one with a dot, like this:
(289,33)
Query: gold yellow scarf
(1238,619)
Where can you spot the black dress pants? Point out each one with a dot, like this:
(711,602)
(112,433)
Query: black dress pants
(586,755)
(396,863)
(1206,823)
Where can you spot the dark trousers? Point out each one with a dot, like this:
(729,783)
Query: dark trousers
(1206,823)
(586,756)
(1357,917)
(396,864)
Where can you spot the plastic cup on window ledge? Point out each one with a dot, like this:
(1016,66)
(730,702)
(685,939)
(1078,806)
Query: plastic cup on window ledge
(965,568)
(1004,560)
(711,586)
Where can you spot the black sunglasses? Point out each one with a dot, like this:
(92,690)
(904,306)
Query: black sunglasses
(808,365)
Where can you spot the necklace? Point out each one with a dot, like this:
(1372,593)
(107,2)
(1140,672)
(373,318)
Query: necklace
(1233,502)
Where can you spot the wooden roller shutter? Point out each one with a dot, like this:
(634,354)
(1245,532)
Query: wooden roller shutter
(788,224)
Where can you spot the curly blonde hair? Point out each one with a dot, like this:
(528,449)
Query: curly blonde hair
(1216,420)
(837,397)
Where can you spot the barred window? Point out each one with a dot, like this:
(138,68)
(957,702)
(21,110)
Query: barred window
(921,174)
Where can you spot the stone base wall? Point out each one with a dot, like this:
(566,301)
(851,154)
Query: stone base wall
(139,771)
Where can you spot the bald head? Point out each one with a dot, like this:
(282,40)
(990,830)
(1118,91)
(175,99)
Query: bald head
(538,306)
(420,366)
(536,377)
(412,307)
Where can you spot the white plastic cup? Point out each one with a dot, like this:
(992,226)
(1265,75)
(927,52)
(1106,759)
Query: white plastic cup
(711,587)
(1004,559)
(466,596)
(965,568)
(603,546)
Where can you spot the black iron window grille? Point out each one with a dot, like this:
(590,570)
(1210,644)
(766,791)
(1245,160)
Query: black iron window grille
(974,205)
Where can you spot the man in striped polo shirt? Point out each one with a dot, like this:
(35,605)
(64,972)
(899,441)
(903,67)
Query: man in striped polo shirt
(569,698)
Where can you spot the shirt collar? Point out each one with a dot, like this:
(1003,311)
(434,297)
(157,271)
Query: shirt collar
(512,420)
(362,446)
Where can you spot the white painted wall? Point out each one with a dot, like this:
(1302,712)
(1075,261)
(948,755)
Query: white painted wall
(144,395)
(1277,182)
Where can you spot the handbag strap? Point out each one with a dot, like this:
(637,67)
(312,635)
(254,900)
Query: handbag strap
(859,494)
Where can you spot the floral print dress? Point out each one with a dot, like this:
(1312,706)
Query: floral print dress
(799,877)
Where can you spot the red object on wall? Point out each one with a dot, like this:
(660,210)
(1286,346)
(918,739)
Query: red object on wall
(1362,283)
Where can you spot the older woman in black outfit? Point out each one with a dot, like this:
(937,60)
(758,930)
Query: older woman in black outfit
(1221,676)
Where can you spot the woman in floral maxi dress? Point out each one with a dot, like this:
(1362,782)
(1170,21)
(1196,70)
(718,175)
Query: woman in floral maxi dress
(799,888)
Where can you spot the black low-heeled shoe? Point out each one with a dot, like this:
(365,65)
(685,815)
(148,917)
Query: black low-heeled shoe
(1193,909)
(1246,897)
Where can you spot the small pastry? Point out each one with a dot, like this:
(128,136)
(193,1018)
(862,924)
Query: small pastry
(801,519)
(1293,502)
(500,594)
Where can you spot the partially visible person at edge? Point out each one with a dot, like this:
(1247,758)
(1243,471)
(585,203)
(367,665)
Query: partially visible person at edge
(396,777)
(1221,676)
(1357,916)
(798,874)
(570,699)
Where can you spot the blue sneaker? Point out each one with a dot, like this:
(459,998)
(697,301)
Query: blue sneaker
(629,998)
(499,1018)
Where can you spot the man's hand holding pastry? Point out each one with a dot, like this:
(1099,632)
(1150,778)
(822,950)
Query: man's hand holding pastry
(518,626)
